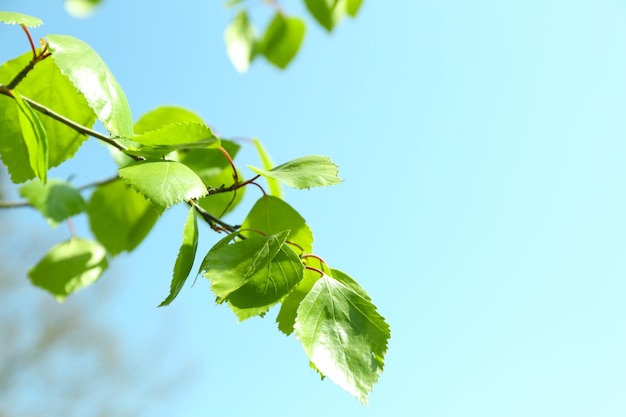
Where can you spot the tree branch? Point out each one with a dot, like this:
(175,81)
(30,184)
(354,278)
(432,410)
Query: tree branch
(72,124)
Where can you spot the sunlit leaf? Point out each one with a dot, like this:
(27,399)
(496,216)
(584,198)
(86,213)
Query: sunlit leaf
(272,215)
(35,137)
(240,41)
(57,200)
(81,8)
(306,172)
(282,39)
(165,183)
(46,85)
(266,160)
(328,13)
(185,258)
(69,266)
(14,18)
(183,135)
(120,217)
(90,75)
(353,6)
(343,334)
(165,115)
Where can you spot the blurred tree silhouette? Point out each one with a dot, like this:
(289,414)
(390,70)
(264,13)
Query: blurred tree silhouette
(59,359)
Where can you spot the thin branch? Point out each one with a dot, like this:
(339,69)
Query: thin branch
(213,220)
(70,123)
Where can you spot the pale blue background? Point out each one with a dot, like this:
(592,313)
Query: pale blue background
(483,208)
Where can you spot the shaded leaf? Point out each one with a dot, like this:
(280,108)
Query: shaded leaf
(69,266)
(282,39)
(230,266)
(268,285)
(306,172)
(34,136)
(343,335)
(14,18)
(120,217)
(273,215)
(165,183)
(185,258)
(57,200)
(90,75)
(266,160)
(240,41)
(46,85)
(289,308)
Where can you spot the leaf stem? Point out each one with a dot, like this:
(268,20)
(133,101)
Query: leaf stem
(30,40)
(232,164)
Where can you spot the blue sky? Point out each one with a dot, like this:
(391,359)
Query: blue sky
(483,206)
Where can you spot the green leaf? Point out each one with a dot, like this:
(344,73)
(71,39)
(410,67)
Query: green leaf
(120,217)
(35,138)
(230,266)
(57,200)
(272,215)
(328,13)
(165,115)
(180,135)
(343,335)
(269,285)
(240,41)
(69,266)
(282,39)
(46,85)
(288,310)
(353,6)
(90,75)
(306,172)
(13,18)
(266,160)
(185,258)
(165,183)
(212,166)
(81,8)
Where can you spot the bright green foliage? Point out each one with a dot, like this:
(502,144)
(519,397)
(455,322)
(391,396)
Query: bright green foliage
(165,183)
(266,160)
(185,258)
(305,172)
(286,318)
(282,39)
(182,135)
(213,167)
(165,115)
(342,334)
(269,285)
(329,13)
(230,266)
(120,217)
(90,75)
(273,215)
(20,19)
(34,136)
(57,200)
(69,266)
(81,8)
(46,85)
(240,41)
(49,101)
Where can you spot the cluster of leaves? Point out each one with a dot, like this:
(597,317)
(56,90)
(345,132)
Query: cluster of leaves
(284,34)
(50,98)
